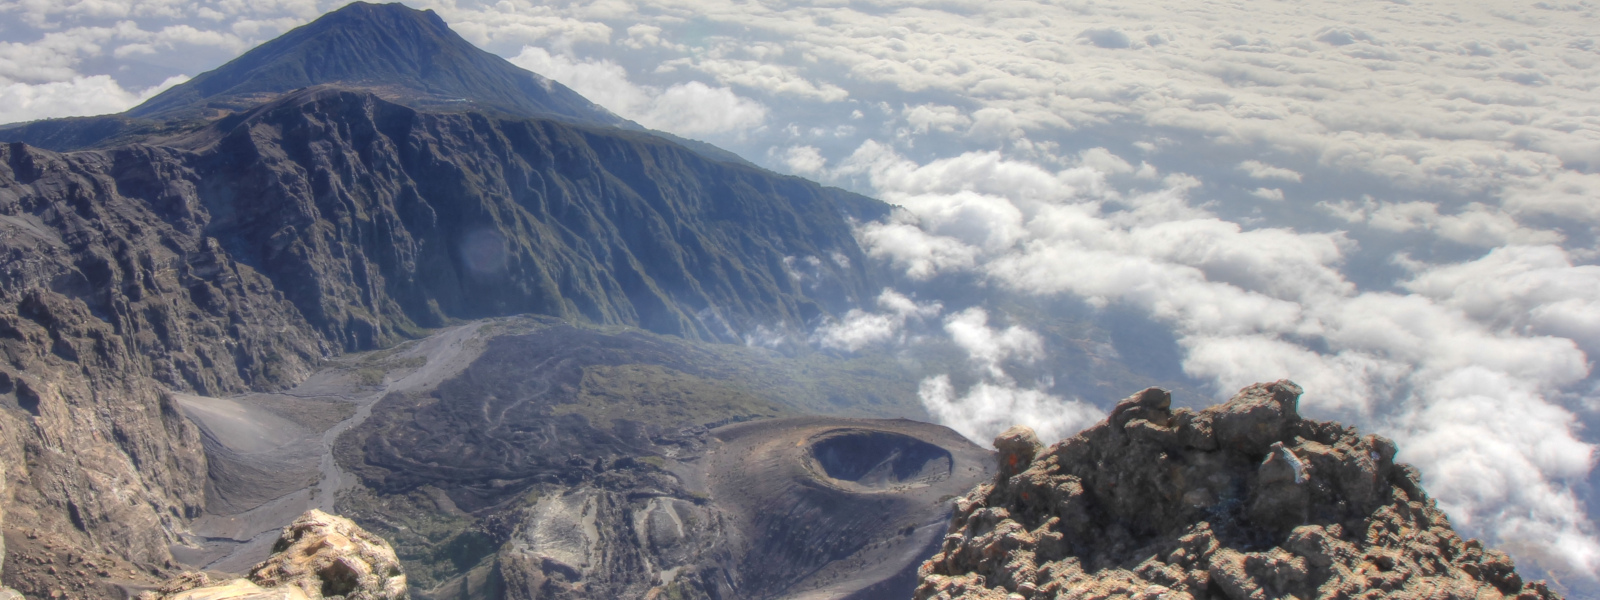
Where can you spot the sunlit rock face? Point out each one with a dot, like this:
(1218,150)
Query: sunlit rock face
(1243,500)
(318,556)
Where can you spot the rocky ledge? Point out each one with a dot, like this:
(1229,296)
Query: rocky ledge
(318,556)
(1245,500)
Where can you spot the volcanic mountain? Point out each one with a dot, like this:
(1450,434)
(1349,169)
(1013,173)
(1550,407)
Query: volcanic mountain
(401,54)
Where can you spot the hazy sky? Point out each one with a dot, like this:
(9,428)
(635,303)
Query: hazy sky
(1393,203)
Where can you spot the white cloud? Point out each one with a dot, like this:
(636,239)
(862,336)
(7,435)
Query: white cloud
(989,408)
(804,160)
(989,348)
(643,36)
(861,329)
(96,95)
(527,23)
(932,117)
(1258,304)
(696,108)
(1475,224)
(772,79)
(691,108)
(1272,194)
(917,253)
(1522,290)
(1261,170)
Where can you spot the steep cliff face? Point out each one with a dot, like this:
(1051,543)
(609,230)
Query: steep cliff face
(1244,501)
(374,218)
(109,295)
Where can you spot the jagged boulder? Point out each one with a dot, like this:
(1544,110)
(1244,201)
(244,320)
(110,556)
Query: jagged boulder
(1244,500)
(318,556)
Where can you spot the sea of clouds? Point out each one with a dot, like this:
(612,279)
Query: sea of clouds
(1394,203)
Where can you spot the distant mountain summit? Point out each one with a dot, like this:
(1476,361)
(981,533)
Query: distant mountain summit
(399,53)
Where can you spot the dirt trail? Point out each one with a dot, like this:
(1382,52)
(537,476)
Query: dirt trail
(234,543)
(447,353)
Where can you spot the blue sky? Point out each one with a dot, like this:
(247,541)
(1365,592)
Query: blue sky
(1392,202)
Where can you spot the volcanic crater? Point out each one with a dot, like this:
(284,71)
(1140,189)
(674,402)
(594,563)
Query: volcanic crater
(869,459)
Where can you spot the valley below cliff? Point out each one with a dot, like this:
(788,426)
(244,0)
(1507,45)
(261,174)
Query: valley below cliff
(528,458)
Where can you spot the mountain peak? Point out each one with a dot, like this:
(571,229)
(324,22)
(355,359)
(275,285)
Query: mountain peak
(402,54)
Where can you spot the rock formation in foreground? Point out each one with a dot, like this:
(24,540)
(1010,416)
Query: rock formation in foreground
(1244,500)
(318,556)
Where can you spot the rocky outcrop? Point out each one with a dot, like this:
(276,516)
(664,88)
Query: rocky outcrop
(1245,501)
(318,556)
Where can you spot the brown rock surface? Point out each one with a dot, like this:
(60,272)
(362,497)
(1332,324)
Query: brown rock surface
(318,556)
(5,592)
(1243,500)
(109,296)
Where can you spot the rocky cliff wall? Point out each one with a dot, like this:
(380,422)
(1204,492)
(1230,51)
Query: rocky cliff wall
(374,218)
(241,253)
(1243,501)
(109,296)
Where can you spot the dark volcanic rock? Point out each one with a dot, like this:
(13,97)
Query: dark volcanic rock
(1244,500)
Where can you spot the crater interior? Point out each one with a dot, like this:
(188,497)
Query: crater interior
(879,459)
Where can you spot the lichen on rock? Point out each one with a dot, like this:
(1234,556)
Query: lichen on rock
(1245,500)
